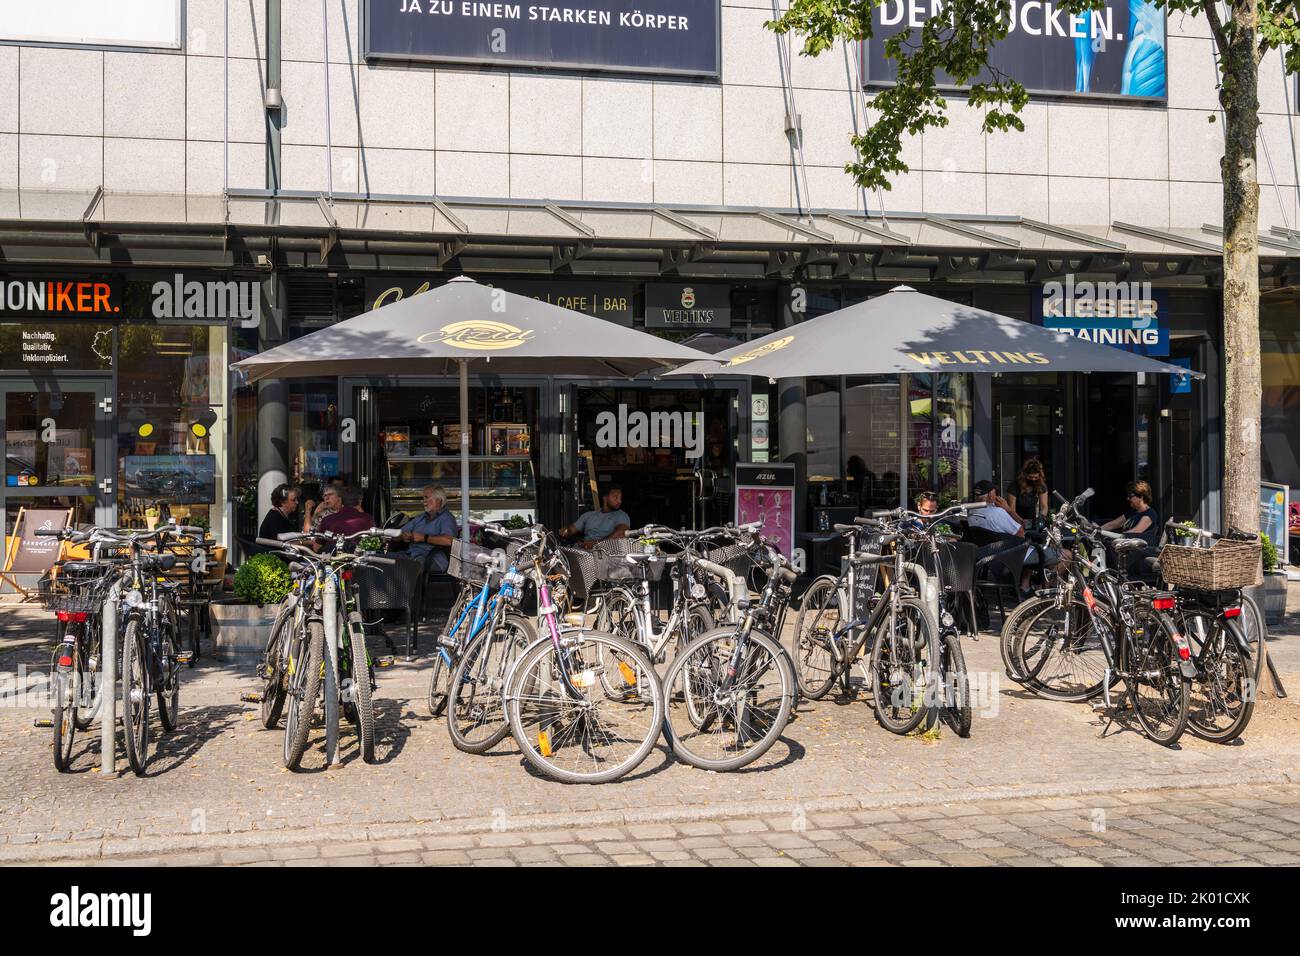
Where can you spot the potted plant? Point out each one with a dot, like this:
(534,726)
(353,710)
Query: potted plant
(151,515)
(240,625)
(1271,595)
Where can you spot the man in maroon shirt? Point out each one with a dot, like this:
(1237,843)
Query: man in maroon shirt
(349,519)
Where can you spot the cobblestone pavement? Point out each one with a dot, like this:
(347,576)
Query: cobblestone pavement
(1238,826)
(220,775)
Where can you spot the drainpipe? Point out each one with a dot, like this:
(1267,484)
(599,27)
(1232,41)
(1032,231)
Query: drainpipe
(272,99)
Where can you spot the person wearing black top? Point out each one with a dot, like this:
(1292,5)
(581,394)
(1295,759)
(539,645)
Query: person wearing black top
(280,519)
(1141,520)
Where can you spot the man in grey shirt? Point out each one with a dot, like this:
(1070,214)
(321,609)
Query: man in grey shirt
(608,523)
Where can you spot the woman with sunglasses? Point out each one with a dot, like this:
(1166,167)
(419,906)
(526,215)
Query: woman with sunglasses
(1141,519)
(1030,499)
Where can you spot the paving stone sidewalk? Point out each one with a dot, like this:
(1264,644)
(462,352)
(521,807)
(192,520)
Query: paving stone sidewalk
(1238,826)
(220,772)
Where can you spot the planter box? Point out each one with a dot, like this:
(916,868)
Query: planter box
(239,631)
(1271,597)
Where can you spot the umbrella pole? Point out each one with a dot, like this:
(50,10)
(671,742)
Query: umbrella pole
(464,449)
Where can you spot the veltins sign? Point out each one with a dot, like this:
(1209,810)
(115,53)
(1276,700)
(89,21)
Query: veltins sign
(695,307)
(1117,51)
(1128,315)
(679,37)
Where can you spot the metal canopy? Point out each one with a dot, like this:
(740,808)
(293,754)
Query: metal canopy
(603,239)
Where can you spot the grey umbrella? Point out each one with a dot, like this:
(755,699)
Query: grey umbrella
(909,332)
(465,325)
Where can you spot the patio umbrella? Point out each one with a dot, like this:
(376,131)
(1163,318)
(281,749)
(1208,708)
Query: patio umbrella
(464,325)
(909,332)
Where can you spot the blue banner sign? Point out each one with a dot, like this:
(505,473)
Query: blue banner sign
(1115,51)
(1128,315)
(679,37)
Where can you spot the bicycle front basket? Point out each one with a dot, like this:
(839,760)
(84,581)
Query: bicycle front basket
(463,564)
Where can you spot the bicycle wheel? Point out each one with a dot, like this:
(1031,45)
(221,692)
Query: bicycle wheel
(904,655)
(566,725)
(741,713)
(1012,629)
(698,622)
(955,691)
(307,655)
(363,693)
(1220,699)
(820,618)
(169,685)
(272,670)
(1255,628)
(617,615)
(1060,652)
(1159,690)
(135,696)
(476,716)
(88,652)
(66,692)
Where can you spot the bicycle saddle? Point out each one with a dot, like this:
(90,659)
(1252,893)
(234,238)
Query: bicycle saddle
(158,562)
(1128,544)
(636,556)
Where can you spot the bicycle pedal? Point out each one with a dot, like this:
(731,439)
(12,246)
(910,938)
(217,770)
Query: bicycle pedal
(251,697)
(385,661)
(43,722)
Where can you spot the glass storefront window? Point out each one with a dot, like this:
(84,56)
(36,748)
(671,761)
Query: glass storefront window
(49,438)
(314,430)
(939,437)
(1279,346)
(171,441)
(871,441)
(823,441)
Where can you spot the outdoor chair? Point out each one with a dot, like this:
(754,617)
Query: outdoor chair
(997,578)
(392,589)
(957,565)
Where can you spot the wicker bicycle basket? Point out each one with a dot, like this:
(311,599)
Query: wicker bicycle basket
(613,566)
(1229,564)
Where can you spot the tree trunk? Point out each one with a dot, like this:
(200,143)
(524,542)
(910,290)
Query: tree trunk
(1241,383)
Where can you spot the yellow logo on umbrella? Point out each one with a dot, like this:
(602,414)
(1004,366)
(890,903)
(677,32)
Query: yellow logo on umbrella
(479,335)
(762,350)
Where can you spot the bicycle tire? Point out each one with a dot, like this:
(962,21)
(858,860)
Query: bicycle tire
(900,695)
(617,615)
(135,719)
(1160,651)
(363,694)
(1011,629)
(821,596)
(303,690)
(1226,687)
(1072,679)
(67,692)
(169,698)
(273,678)
(439,683)
(699,667)
(1255,629)
(531,700)
(956,706)
(91,643)
(481,674)
(698,622)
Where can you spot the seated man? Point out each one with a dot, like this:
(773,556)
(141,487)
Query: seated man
(349,519)
(432,532)
(996,516)
(609,523)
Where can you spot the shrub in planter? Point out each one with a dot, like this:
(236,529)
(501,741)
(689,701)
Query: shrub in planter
(1271,595)
(263,579)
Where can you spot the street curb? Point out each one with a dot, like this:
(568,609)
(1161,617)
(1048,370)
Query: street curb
(107,849)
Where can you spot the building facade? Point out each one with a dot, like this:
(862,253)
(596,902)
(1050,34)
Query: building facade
(329,159)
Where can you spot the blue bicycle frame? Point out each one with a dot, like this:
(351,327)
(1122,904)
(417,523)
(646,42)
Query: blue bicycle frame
(483,608)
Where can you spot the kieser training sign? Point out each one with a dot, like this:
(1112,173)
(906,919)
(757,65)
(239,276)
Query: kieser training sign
(1118,50)
(679,37)
(1128,315)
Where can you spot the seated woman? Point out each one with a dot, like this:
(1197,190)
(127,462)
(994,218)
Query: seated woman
(1140,521)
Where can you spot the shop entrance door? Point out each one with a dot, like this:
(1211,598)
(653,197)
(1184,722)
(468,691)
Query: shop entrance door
(58,447)
(1031,422)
